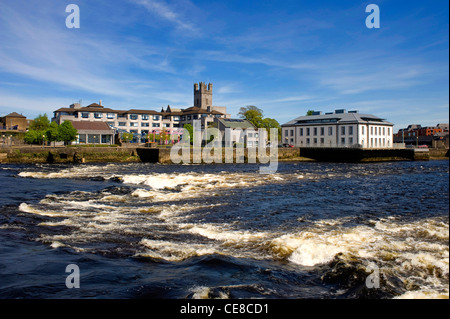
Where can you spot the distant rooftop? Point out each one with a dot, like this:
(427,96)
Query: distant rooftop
(236,123)
(338,116)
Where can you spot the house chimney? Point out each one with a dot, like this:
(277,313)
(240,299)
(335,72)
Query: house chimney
(100,103)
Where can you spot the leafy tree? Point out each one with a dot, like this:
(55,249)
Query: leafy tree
(190,129)
(40,123)
(52,133)
(34,137)
(309,113)
(67,133)
(127,137)
(37,130)
(252,114)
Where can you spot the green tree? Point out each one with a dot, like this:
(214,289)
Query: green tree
(127,137)
(34,137)
(67,133)
(190,129)
(269,123)
(40,123)
(252,114)
(37,130)
(310,112)
(52,133)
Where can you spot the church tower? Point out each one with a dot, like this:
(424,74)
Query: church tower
(203,95)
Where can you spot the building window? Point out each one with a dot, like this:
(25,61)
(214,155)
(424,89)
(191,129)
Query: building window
(343,130)
(389,131)
(82,138)
(301,132)
(343,140)
(134,124)
(98,115)
(308,141)
(106,139)
(93,139)
(308,132)
(330,131)
(362,130)
(85,115)
(286,133)
(371,130)
(315,141)
(156,125)
(166,124)
(384,131)
(315,131)
(350,140)
(189,117)
(111,116)
(350,130)
(155,117)
(133,117)
(195,117)
(122,124)
(292,132)
(145,117)
(183,118)
(322,141)
(145,124)
(176,118)
(322,131)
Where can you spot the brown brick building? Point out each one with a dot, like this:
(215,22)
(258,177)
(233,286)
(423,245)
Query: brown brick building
(14,122)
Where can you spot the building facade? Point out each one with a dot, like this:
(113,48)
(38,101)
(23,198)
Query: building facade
(338,129)
(94,133)
(142,123)
(15,122)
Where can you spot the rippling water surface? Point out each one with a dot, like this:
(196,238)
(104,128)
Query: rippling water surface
(312,230)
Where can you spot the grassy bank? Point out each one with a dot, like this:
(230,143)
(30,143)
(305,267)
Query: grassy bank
(33,155)
(66,155)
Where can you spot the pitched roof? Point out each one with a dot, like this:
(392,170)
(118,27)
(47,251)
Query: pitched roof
(14,114)
(236,123)
(91,126)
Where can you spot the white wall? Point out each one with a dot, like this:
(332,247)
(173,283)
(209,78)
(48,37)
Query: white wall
(342,135)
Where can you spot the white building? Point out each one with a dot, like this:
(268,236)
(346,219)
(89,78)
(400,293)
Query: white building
(338,129)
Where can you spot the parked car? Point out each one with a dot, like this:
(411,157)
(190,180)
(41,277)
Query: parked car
(286,145)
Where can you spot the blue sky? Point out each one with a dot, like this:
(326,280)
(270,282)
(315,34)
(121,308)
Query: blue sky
(285,57)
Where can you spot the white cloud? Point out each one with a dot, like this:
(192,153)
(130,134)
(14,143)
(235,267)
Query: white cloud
(163,10)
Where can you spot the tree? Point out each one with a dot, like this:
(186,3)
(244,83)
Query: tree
(34,137)
(40,123)
(252,114)
(127,137)
(269,123)
(52,133)
(37,130)
(190,129)
(310,112)
(67,133)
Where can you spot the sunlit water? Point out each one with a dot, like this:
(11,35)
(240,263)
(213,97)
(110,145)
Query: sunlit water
(311,230)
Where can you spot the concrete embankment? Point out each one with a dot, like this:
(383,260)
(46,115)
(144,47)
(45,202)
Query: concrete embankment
(162,155)
(30,155)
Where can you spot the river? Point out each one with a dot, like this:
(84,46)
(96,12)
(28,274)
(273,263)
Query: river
(311,230)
